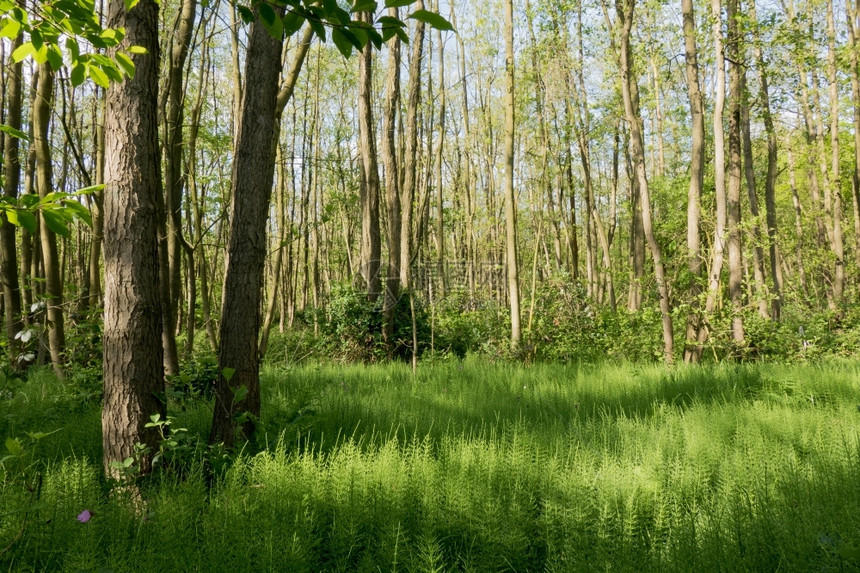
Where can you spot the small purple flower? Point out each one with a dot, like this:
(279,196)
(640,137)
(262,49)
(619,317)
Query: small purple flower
(85,516)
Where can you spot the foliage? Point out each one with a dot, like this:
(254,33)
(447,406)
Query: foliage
(482,466)
(60,32)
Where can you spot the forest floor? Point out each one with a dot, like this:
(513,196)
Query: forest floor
(467,466)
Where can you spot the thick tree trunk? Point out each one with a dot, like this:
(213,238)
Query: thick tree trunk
(45,185)
(133,371)
(237,397)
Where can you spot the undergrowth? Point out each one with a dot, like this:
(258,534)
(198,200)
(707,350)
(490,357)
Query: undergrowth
(468,466)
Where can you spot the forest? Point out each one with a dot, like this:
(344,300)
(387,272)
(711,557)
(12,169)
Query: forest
(561,285)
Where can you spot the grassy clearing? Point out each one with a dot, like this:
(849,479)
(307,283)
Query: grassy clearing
(474,466)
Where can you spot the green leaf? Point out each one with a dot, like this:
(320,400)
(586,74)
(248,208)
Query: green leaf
(22,218)
(245,13)
(98,76)
(11,29)
(56,223)
(79,211)
(55,58)
(318,28)
(90,189)
(129,4)
(14,447)
(293,21)
(435,20)
(397,3)
(364,6)
(343,44)
(17,133)
(79,74)
(23,51)
(227,373)
(270,20)
(136,50)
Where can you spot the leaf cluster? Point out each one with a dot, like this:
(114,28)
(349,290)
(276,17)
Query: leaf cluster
(68,33)
(286,17)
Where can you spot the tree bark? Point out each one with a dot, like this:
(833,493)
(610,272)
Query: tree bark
(133,370)
(251,179)
(410,163)
(12,308)
(511,257)
(371,246)
(692,351)
(735,161)
(48,239)
(630,95)
(392,185)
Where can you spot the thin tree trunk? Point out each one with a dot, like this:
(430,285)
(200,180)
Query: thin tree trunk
(510,199)
(772,165)
(631,109)
(392,185)
(734,179)
(410,167)
(719,170)
(371,247)
(852,15)
(12,309)
(692,351)
(45,185)
(837,243)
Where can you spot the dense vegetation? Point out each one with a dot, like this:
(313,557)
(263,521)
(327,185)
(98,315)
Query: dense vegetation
(470,465)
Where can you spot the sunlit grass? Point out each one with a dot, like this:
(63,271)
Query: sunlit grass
(475,466)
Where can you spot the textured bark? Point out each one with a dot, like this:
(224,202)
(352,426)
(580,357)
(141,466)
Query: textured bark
(97,209)
(392,184)
(692,351)
(410,163)
(45,185)
(511,257)
(14,92)
(252,176)
(630,95)
(733,196)
(371,246)
(440,146)
(133,372)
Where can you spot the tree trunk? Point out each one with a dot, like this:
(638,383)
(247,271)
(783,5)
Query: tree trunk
(12,309)
(510,199)
(772,165)
(237,398)
(410,163)
(692,351)
(133,371)
(371,247)
(852,13)
(719,171)
(837,244)
(734,188)
(392,185)
(45,185)
(630,95)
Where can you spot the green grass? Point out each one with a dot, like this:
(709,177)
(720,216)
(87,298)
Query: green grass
(473,466)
